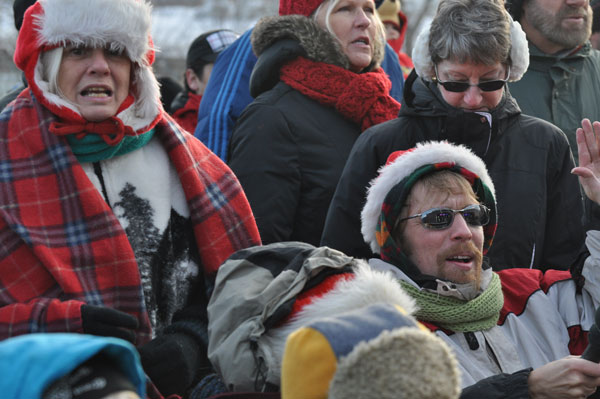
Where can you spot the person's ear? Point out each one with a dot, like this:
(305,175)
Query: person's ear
(192,80)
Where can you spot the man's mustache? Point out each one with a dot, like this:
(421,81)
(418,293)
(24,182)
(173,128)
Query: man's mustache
(461,249)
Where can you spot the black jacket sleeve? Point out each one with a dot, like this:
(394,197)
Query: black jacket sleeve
(500,386)
(264,157)
(369,153)
(342,225)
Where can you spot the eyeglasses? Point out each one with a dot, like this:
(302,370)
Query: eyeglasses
(442,218)
(459,87)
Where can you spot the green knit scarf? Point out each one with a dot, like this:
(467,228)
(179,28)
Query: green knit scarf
(480,313)
(93,148)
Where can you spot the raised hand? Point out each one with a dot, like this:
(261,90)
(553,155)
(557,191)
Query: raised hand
(588,144)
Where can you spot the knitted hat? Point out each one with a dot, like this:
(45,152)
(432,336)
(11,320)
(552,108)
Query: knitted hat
(388,12)
(376,351)
(389,191)
(304,7)
(19,7)
(519,52)
(120,24)
(206,48)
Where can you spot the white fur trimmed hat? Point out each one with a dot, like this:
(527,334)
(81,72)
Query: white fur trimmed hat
(388,192)
(120,24)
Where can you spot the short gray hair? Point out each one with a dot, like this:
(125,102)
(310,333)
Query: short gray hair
(476,31)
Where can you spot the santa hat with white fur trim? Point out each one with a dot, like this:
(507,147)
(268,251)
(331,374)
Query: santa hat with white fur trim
(389,191)
(120,24)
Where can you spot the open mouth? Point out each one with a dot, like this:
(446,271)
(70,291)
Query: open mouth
(362,40)
(461,259)
(96,92)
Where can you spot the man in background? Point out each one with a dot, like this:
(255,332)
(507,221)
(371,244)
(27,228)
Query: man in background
(201,57)
(561,84)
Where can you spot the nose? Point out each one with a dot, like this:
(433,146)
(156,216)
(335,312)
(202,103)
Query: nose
(98,63)
(472,97)
(361,19)
(460,229)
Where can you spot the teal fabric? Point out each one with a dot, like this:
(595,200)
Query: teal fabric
(93,148)
(30,363)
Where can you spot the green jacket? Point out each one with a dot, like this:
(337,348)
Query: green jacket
(562,88)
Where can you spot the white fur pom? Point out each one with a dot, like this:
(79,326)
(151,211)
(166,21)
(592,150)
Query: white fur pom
(421,56)
(366,288)
(519,52)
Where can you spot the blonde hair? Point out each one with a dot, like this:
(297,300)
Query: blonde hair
(50,61)
(378,45)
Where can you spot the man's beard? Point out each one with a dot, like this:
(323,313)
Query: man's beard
(550,25)
(461,276)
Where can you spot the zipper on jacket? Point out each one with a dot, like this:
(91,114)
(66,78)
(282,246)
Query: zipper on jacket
(472,341)
(98,173)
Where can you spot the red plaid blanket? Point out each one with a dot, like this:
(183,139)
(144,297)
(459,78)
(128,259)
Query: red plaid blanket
(62,246)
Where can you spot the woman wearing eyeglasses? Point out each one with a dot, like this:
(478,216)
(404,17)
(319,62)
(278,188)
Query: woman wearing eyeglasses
(458,93)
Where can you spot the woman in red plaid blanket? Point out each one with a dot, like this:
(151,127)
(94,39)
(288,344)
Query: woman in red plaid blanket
(113,220)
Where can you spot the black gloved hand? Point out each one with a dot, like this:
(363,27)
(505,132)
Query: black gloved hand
(108,322)
(172,361)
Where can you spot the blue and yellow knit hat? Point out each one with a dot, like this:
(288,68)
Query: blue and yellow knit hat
(377,351)
(389,191)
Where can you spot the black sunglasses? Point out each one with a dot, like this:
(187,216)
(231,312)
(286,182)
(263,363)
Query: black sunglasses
(459,87)
(442,218)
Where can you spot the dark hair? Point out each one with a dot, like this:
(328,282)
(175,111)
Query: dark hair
(596,15)
(515,8)
(19,7)
(169,88)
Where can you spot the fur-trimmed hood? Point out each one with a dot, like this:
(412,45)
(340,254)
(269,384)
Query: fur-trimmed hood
(317,43)
(120,24)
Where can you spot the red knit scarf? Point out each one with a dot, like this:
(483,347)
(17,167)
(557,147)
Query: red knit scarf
(363,98)
(111,130)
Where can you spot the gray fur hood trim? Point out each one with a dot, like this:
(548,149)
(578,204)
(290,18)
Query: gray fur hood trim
(318,43)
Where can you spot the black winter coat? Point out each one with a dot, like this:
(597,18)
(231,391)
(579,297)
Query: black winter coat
(540,208)
(287,150)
